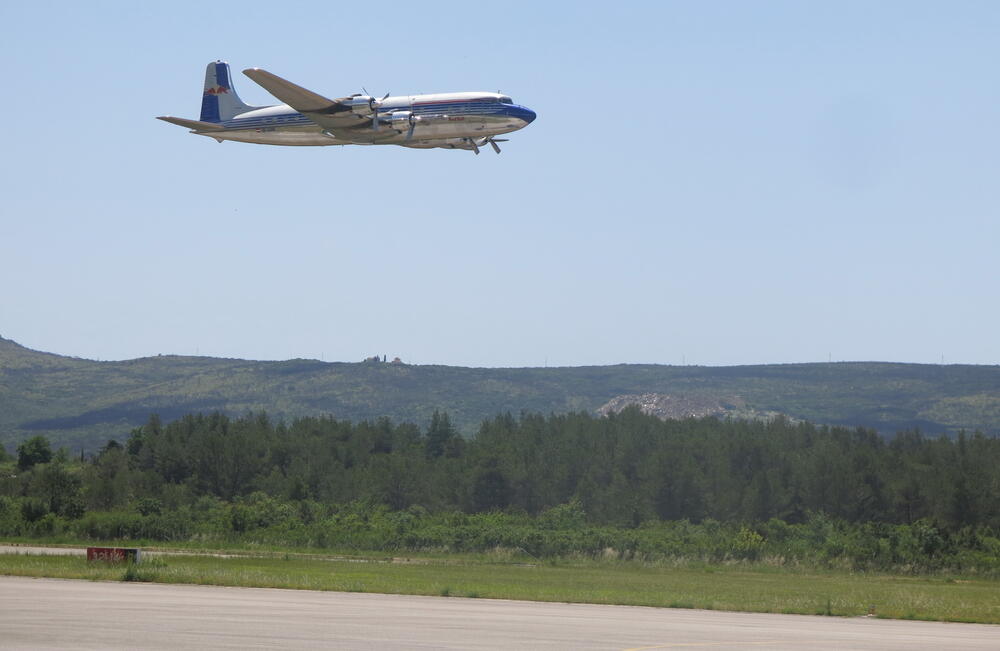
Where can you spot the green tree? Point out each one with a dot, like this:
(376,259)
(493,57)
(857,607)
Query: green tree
(490,488)
(228,455)
(60,488)
(106,482)
(441,436)
(34,451)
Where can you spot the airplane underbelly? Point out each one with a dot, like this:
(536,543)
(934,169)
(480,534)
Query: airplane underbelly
(435,128)
(462,127)
(299,136)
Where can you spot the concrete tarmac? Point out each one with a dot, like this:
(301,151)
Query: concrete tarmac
(65,614)
(30,550)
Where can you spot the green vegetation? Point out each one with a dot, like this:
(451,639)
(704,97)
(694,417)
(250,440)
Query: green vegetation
(82,403)
(745,587)
(775,516)
(624,487)
(32,452)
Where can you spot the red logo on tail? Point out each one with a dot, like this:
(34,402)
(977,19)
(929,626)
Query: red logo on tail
(218,90)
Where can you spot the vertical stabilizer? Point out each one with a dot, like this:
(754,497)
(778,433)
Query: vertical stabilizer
(220,101)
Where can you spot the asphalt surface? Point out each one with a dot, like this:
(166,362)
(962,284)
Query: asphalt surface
(42,551)
(82,551)
(64,614)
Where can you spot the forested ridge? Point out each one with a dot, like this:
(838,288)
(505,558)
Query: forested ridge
(557,484)
(82,403)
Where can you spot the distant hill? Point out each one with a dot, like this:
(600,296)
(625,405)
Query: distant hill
(82,403)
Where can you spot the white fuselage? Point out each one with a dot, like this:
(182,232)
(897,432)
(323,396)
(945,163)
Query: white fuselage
(439,120)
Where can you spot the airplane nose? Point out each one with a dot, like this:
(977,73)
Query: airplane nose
(527,115)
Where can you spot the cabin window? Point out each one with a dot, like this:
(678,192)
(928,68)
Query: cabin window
(506,100)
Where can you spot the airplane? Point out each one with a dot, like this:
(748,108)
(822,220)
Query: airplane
(467,120)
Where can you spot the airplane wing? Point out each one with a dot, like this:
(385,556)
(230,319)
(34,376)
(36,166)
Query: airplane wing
(299,98)
(330,114)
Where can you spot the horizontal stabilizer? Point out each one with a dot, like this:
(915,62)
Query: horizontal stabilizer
(299,98)
(195,125)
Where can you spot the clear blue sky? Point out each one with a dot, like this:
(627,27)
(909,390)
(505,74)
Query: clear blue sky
(707,182)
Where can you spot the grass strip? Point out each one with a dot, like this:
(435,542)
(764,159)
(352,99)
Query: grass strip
(626,583)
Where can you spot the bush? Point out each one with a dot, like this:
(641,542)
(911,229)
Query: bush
(149,506)
(11,520)
(113,525)
(73,508)
(564,516)
(48,525)
(747,544)
(32,452)
(33,509)
(260,511)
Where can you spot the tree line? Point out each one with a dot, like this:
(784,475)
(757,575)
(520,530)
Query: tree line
(627,472)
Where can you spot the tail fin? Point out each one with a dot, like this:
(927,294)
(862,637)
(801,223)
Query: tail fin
(220,101)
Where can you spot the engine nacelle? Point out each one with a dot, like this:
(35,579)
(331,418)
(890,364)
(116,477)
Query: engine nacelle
(401,120)
(363,104)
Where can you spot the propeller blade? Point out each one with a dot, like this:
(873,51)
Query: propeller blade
(375,103)
(496,147)
(409,132)
(475,147)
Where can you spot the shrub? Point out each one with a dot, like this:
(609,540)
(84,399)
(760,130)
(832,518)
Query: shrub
(113,525)
(33,509)
(149,506)
(563,516)
(48,525)
(11,520)
(747,544)
(32,452)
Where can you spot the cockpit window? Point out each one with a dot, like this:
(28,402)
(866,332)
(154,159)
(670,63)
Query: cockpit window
(506,100)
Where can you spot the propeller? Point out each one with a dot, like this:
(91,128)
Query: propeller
(496,147)
(375,103)
(413,125)
(365,106)
(489,139)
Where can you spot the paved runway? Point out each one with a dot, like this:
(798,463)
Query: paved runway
(7,548)
(60,614)
(26,550)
